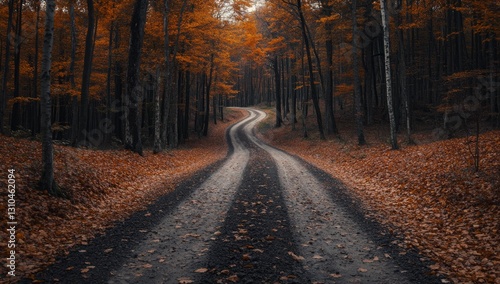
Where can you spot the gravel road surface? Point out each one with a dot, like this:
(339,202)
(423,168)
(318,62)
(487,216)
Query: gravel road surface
(260,216)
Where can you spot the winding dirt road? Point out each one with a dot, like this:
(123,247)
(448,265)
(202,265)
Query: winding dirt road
(260,216)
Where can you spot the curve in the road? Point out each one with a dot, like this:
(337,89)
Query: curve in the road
(262,216)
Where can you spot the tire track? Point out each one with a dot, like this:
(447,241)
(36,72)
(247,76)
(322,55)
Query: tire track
(254,243)
(334,247)
(175,247)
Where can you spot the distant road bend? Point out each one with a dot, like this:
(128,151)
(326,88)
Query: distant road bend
(260,216)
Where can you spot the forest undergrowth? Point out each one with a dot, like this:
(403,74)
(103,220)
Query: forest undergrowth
(105,187)
(429,193)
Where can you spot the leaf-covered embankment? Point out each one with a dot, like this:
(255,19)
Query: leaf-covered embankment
(429,193)
(106,186)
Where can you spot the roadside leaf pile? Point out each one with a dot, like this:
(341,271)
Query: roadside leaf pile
(429,193)
(105,187)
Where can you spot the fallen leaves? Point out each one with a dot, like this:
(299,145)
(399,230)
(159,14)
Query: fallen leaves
(295,257)
(106,186)
(336,275)
(185,280)
(201,270)
(427,193)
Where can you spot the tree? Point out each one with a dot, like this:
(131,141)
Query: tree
(331,125)
(16,108)
(134,91)
(5,76)
(47,181)
(87,70)
(311,73)
(388,81)
(357,85)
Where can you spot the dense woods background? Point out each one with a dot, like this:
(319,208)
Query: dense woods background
(153,73)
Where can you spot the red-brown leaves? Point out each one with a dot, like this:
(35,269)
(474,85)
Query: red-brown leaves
(429,193)
(105,186)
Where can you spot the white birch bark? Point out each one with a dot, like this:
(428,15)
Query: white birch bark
(47,181)
(388,82)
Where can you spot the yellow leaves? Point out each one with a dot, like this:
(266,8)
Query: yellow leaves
(329,19)
(276,44)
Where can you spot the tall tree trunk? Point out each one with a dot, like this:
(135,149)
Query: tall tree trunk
(277,90)
(187,105)
(5,77)
(157,115)
(402,78)
(134,90)
(121,109)
(47,181)
(294,95)
(16,108)
(311,73)
(207,94)
(34,105)
(166,79)
(87,70)
(173,113)
(109,111)
(357,87)
(388,81)
(74,98)
(329,94)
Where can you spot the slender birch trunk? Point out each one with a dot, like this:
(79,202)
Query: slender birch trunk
(47,181)
(388,81)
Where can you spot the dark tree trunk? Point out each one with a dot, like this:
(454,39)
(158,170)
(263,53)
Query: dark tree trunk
(357,87)
(16,108)
(6,67)
(187,103)
(329,91)
(311,73)
(109,112)
(207,96)
(34,105)
(277,82)
(134,91)
(87,70)
(121,108)
(74,98)
(157,114)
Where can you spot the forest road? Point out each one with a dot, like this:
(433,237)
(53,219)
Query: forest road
(260,216)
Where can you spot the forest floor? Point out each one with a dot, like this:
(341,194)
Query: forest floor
(105,187)
(427,193)
(258,216)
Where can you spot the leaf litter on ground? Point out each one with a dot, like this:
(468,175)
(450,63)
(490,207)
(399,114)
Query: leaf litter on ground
(105,186)
(428,193)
